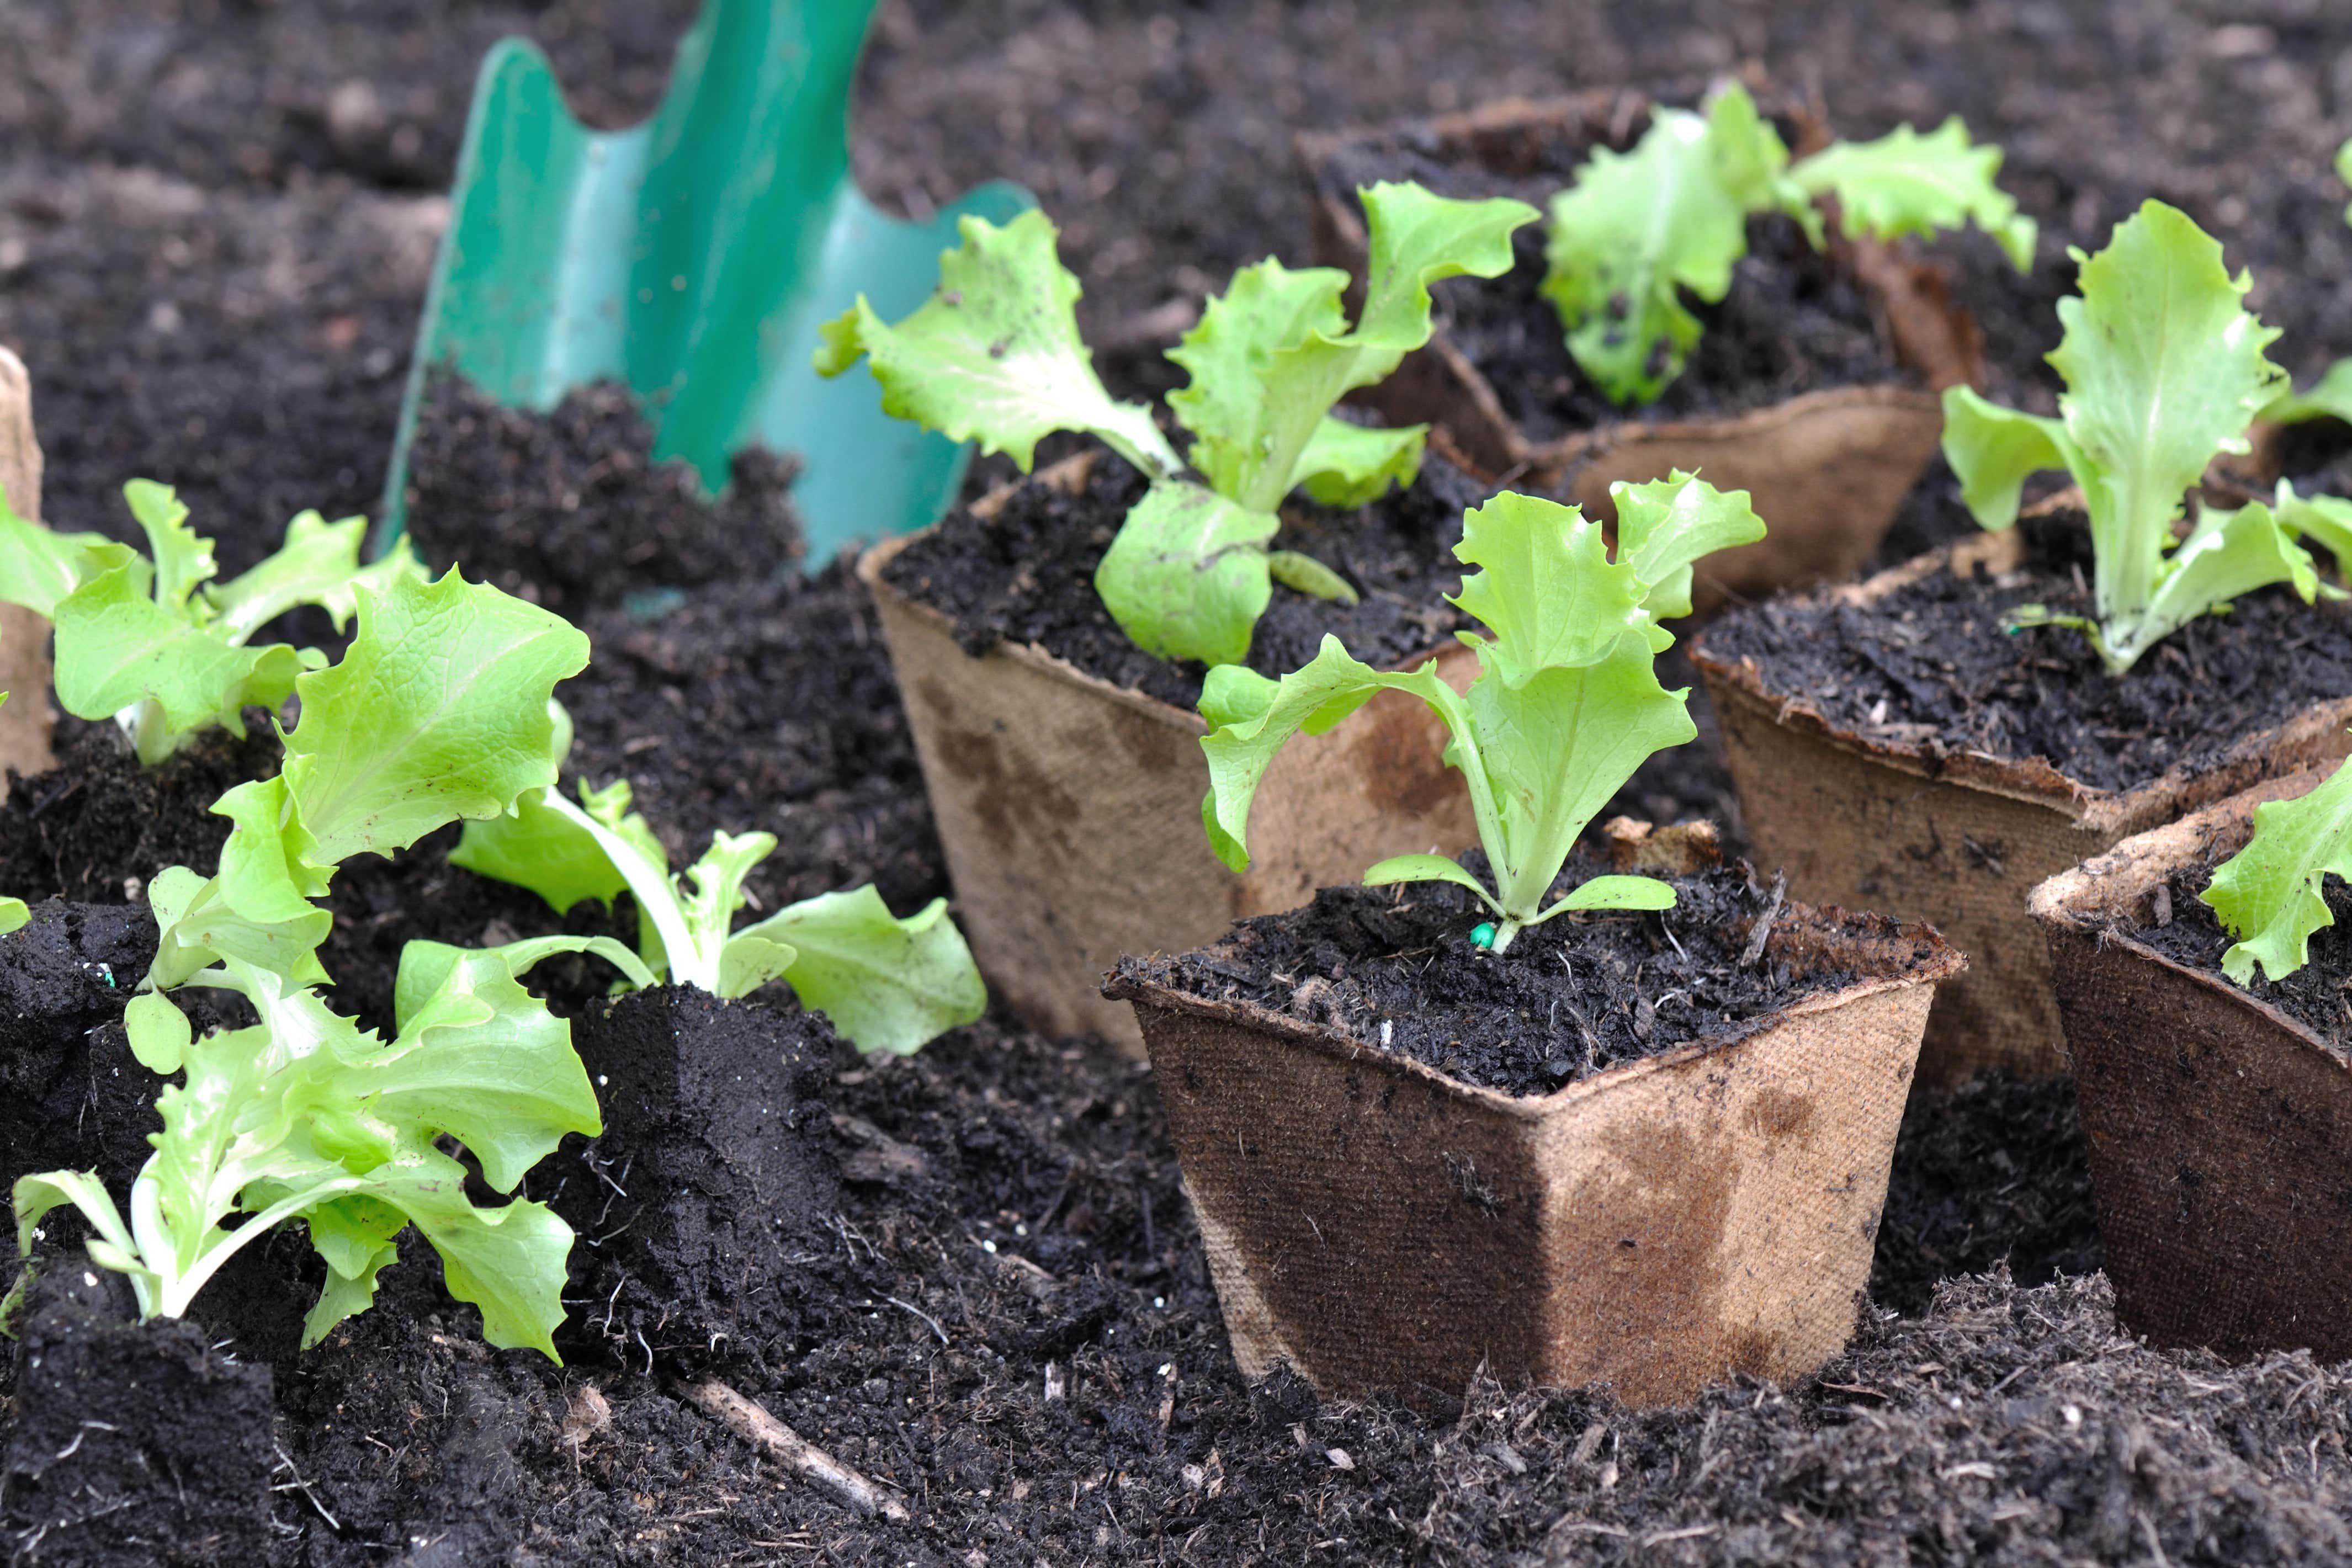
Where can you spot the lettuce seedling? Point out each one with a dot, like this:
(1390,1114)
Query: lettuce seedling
(888,984)
(2164,371)
(1639,228)
(151,642)
(1565,707)
(438,710)
(995,356)
(306,1116)
(2270,896)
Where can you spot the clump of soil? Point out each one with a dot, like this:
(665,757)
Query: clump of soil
(1931,664)
(697,1204)
(1027,575)
(1990,1175)
(1793,322)
(72,1097)
(1395,968)
(569,509)
(2184,928)
(97,825)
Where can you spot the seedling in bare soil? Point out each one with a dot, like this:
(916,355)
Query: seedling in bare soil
(1639,228)
(2270,896)
(995,356)
(152,643)
(1565,707)
(887,984)
(2164,371)
(438,711)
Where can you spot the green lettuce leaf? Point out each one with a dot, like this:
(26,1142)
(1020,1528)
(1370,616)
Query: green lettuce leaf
(2270,895)
(994,355)
(888,984)
(1187,577)
(2165,370)
(1907,183)
(2329,398)
(13,914)
(1565,707)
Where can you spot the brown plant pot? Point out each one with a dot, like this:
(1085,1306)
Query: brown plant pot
(24,636)
(1828,468)
(1714,1209)
(2219,1139)
(1070,809)
(1960,839)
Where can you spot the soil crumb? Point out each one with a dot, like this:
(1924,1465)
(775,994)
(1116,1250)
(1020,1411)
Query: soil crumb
(98,826)
(569,509)
(1027,575)
(1932,664)
(1395,968)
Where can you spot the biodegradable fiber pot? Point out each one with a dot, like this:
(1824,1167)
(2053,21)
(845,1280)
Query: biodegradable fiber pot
(2221,1140)
(1962,839)
(1709,1209)
(1070,809)
(1829,468)
(24,636)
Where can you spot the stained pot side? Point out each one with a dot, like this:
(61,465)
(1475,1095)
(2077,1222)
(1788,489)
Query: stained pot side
(1070,811)
(1960,839)
(24,636)
(1380,1225)
(1828,469)
(2219,1139)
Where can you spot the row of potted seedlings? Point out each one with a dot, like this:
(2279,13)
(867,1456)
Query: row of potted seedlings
(1577,1107)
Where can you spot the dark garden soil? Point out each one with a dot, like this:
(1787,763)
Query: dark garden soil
(2185,929)
(1793,322)
(216,218)
(570,511)
(1027,575)
(1931,664)
(1395,968)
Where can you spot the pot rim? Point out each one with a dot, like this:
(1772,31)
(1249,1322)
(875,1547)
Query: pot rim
(1941,963)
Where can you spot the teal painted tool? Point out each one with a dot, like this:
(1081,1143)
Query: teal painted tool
(693,257)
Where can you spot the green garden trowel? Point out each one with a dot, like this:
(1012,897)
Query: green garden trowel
(694,258)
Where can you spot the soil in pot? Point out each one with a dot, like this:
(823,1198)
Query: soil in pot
(1793,321)
(1026,574)
(2183,927)
(1930,664)
(1395,968)
(569,509)
(132,1443)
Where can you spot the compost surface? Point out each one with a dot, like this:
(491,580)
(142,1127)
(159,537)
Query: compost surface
(1396,968)
(1934,665)
(216,218)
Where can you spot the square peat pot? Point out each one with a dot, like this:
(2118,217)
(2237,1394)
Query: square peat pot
(1829,466)
(1957,838)
(1070,808)
(1710,1210)
(2219,1128)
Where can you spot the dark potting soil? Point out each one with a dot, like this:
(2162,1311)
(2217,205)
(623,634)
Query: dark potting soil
(2186,930)
(1792,321)
(569,509)
(1395,968)
(133,1445)
(1992,1174)
(1027,575)
(1930,664)
(698,1206)
(99,825)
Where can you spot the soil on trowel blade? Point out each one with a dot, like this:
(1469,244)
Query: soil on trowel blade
(570,510)
(1932,664)
(1395,968)
(1027,575)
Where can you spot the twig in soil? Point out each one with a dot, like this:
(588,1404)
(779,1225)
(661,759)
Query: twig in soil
(299,1484)
(751,1422)
(1755,948)
(910,1307)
